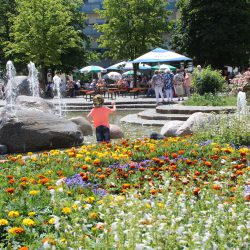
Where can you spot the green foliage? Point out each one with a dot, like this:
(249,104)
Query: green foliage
(214,33)
(232,129)
(208,81)
(7,9)
(42,31)
(209,99)
(133,27)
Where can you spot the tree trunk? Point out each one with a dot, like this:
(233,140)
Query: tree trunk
(135,69)
(43,77)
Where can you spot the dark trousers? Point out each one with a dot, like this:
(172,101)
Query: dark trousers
(102,134)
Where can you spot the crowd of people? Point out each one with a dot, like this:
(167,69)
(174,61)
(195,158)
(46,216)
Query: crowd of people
(178,84)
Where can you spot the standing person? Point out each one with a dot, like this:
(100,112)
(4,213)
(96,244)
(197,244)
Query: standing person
(157,83)
(187,82)
(168,78)
(178,84)
(100,115)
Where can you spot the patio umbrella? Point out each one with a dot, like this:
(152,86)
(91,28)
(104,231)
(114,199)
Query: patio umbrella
(161,55)
(113,76)
(92,69)
(128,66)
(130,72)
(163,67)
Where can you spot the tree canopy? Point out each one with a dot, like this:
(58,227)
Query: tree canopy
(214,32)
(44,31)
(132,27)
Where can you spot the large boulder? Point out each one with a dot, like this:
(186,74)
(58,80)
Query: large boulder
(83,124)
(34,130)
(115,132)
(170,128)
(39,103)
(194,122)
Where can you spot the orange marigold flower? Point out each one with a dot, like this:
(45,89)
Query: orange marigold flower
(217,187)
(10,190)
(10,176)
(153,191)
(24,179)
(97,162)
(188,161)
(239,172)
(126,186)
(208,163)
(23,248)
(196,191)
(102,176)
(174,155)
(181,152)
(141,169)
(85,167)
(98,170)
(12,181)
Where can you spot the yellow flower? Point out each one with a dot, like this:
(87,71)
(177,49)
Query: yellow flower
(87,159)
(13,214)
(160,205)
(90,199)
(31,214)
(79,156)
(28,222)
(34,192)
(3,222)
(52,221)
(16,230)
(74,206)
(93,215)
(30,153)
(148,205)
(66,210)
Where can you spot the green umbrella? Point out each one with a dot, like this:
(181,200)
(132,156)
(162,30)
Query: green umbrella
(130,72)
(92,69)
(163,67)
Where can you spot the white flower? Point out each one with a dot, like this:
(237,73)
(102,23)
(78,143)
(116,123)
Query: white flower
(46,245)
(60,181)
(60,190)
(139,246)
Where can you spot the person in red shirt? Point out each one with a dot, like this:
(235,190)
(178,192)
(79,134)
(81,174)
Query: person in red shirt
(100,118)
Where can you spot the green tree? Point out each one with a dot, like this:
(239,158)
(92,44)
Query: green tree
(7,9)
(214,32)
(43,32)
(132,27)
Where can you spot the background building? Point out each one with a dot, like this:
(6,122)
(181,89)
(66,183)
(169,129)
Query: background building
(89,8)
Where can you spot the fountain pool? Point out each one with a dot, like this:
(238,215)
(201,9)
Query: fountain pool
(131,131)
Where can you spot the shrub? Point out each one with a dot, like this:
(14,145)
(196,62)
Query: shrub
(209,99)
(208,81)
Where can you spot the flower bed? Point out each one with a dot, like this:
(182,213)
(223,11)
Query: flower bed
(141,194)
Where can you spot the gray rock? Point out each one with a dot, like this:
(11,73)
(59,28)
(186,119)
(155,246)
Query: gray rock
(194,122)
(156,136)
(39,103)
(115,132)
(170,128)
(3,149)
(33,130)
(83,125)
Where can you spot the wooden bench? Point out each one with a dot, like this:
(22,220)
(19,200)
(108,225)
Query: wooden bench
(136,91)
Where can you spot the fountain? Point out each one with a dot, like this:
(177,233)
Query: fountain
(10,89)
(29,123)
(57,87)
(241,102)
(33,79)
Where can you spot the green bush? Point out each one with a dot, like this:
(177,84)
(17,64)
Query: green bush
(208,81)
(209,99)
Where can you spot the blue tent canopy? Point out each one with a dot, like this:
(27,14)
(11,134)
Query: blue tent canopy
(161,55)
